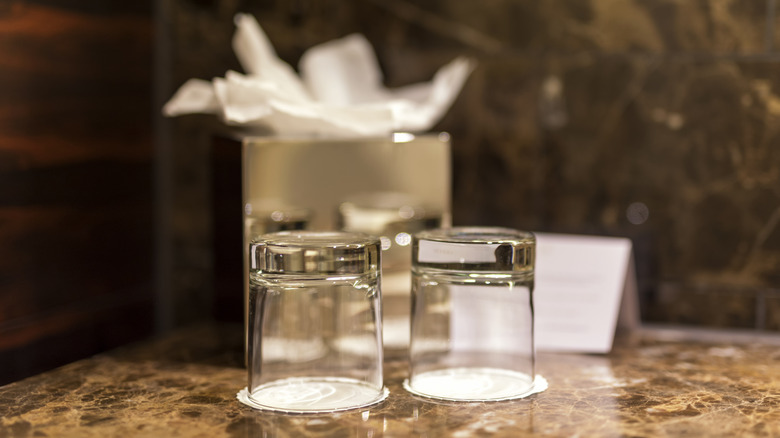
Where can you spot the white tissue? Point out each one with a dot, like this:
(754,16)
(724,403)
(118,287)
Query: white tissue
(339,91)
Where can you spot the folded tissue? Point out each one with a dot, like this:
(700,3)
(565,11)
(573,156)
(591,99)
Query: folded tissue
(339,92)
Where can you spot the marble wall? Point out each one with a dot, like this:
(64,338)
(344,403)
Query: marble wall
(656,120)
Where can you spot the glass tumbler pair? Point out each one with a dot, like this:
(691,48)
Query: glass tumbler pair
(315,318)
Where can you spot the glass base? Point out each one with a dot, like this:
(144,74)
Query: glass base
(471,384)
(313,395)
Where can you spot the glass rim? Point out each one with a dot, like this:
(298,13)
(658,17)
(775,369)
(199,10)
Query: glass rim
(477,235)
(315,239)
(474,250)
(315,252)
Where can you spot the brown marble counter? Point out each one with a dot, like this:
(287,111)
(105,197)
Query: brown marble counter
(184,385)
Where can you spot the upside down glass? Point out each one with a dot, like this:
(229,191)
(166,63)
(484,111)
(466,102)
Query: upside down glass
(315,328)
(472,314)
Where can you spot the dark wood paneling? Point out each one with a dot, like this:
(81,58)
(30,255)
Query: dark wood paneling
(76,227)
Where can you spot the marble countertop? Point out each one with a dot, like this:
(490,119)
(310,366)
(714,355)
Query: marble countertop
(184,385)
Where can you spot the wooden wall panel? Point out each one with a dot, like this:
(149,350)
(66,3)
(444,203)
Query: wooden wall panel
(76,229)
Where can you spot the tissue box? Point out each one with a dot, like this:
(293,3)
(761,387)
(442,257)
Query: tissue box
(289,183)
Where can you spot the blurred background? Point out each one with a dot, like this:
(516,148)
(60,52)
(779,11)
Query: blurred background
(657,120)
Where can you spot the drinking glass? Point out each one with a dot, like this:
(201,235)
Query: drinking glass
(315,322)
(472,314)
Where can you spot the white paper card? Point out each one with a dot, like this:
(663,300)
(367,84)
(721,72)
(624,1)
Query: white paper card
(581,284)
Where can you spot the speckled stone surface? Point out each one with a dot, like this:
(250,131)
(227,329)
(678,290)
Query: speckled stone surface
(185,384)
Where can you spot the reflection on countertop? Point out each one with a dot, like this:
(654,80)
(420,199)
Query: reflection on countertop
(185,385)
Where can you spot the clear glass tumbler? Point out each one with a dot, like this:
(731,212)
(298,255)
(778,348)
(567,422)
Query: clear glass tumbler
(315,327)
(472,314)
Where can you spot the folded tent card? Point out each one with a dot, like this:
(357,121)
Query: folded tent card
(339,92)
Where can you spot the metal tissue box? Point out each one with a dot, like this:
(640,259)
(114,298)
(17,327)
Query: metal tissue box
(387,186)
